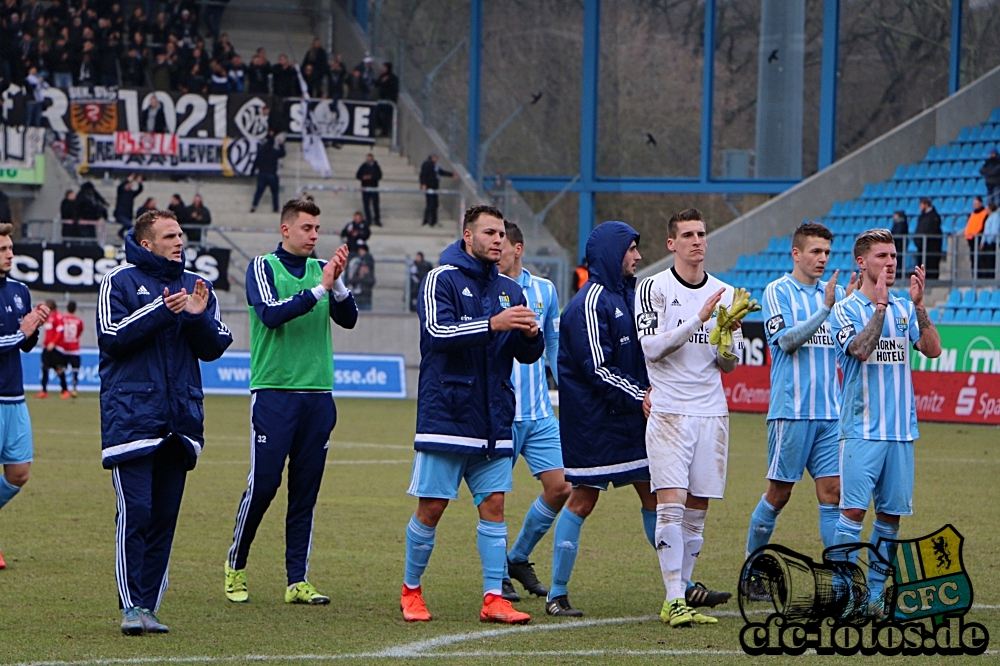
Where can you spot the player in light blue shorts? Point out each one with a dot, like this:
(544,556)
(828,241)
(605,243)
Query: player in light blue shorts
(19,325)
(802,427)
(536,429)
(438,474)
(874,331)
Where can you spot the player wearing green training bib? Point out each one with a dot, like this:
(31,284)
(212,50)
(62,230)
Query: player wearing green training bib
(292,298)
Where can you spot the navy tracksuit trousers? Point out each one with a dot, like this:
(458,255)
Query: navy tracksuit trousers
(149,491)
(297,426)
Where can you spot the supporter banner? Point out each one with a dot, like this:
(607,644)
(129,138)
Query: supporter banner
(748,388)
(355,375)
(345,121)
(145,143)
(964,349)
(20,146)
(215,133)
(79,268)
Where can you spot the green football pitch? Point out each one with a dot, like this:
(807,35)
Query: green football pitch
(58,601)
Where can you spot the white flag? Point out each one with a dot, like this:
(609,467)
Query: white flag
(313,150)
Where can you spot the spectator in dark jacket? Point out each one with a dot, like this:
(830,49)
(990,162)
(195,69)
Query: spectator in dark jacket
(929,224)
(257,74)
(6,217)
(266,167)
(990,172)
(356,89)
(237,73)
(316,56)
(388,91)
(67,207)
(148,204)
(418,271)
(177,207)
(196,218)
(336,78)
(370,173)
(286,80)
(357,230)
(90,204)
(361,276)
(128,190)
(153,118)
(430,179)
(314,81)
(133,69)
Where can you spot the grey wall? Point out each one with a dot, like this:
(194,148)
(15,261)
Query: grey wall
(846,178)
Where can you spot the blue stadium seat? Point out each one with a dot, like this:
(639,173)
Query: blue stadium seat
(975,133)
(935,188)
(984,299)
(969,298)
(913,189)
(954,298)
(933,153)
(969,169)
(954,152)
(949,317)
(935,315)
(900,172)
(995,134)
(934,170)
(985,316)
(961,316)
(966,152)
(963,134)
(995,300)
(995,116)
(996,317)
(920,172)
(868,192)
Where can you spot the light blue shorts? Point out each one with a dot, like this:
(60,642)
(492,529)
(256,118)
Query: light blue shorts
(438,474)
(16,444)
(794,446)
(882,469)
(538,441)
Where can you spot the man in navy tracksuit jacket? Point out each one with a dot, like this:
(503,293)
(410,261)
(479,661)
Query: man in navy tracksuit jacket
(473,323)
(154,322)
(603,397)
(19,325)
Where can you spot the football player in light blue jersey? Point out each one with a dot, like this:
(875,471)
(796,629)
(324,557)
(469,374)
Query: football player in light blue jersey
(805,390)
(536,428)
(873,331)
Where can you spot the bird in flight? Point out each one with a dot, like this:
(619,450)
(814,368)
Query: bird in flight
(773,56)
(650,139)
(535,97)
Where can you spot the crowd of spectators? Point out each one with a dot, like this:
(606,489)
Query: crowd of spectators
(96,42)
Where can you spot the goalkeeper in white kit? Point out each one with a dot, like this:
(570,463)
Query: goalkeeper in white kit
(687,335)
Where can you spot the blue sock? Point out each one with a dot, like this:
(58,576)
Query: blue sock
(762,522)
(829,514)
(419,544)
(876,577)
(567,542)
(649,525)
(848,531)
(536,524)
(492,542)
(7,490)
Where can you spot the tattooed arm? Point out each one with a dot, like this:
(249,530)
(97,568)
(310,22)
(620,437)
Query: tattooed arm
(866,341)
(929,343)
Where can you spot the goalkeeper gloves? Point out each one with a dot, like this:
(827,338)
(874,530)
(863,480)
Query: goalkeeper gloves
(728,318)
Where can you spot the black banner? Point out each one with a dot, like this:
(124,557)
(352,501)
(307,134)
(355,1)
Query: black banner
(344,121)
(755,350)
(216,133)
(80,268)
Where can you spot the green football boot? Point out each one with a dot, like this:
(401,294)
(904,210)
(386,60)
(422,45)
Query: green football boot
(236,584)
(304,593)
(676,613)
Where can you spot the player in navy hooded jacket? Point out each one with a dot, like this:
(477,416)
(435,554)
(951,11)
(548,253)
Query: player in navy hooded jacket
(155,321)
(603,397)
(18,333)
(473,323)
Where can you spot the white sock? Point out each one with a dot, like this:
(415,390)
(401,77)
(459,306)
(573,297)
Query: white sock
(692,527)
(670,547)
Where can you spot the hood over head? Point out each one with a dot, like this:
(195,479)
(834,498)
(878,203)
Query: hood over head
(606,250)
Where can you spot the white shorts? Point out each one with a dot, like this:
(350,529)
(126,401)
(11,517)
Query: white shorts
(689,452)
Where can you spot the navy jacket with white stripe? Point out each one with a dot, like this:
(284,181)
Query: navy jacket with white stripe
(465,402)
(602,372)
(15,303)
(150,376)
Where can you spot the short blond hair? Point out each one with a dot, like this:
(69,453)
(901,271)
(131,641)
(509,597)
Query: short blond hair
(863,243)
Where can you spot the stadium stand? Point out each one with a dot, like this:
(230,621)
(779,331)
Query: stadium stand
(948,174)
